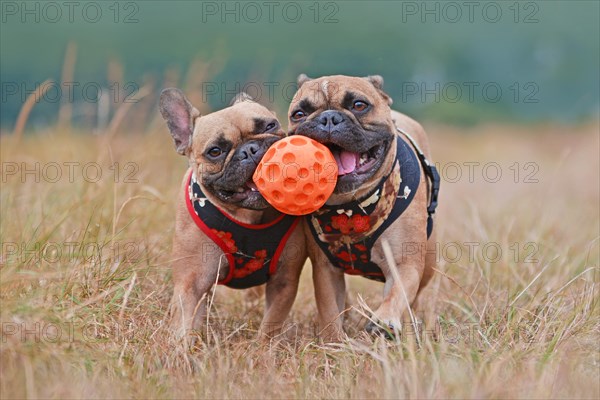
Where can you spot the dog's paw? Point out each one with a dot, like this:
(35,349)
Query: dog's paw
(387,330)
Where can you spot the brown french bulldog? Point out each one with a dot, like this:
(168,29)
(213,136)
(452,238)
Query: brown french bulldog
(225,231)
(385,192)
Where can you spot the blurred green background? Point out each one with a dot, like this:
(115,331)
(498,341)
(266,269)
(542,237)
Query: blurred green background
(454,62)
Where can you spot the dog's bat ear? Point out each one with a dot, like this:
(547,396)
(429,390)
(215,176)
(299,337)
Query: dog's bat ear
(302,79)
(377,81)
(241,97)
(180,115)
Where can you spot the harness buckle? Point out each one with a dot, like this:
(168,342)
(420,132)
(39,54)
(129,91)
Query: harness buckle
(433,174)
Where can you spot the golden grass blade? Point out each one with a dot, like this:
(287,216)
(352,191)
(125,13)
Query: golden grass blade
(118,216)
(122,111)
(28,106)
(66,107)
(532,281)
(126,297)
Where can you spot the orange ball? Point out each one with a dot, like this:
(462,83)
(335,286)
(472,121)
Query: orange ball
(297,175)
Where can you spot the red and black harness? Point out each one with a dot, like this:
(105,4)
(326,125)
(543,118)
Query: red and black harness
(252,251)
(346,233)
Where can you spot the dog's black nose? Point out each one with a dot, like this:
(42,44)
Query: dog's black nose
(330,118)
(249,150)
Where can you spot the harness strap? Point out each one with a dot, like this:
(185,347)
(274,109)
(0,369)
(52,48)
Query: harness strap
(434,180)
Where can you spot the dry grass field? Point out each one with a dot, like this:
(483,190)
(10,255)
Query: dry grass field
(514,311)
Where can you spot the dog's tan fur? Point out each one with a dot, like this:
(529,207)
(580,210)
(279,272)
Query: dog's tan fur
(197,262)
(414,268)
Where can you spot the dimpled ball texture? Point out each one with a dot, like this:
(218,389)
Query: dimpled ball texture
(297,175)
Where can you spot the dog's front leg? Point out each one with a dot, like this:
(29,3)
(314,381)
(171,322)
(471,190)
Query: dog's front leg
(193,280)
(188,306)
(420,303)
(330,295)
(280,294)
(403,269)
(398,296)
(282,287)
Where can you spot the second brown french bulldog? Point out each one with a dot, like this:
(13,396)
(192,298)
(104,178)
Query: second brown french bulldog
(386,192)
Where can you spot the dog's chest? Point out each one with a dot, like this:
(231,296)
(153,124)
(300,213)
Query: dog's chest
(347,233)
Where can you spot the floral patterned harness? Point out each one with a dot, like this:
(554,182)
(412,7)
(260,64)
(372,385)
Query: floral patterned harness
(346,233)
(251,250)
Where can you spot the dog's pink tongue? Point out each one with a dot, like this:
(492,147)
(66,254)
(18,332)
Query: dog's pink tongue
(346,161)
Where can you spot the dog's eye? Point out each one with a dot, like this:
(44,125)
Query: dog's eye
(298,115)
(215,152)
(359,106)
(272,125)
